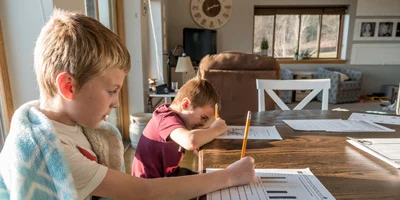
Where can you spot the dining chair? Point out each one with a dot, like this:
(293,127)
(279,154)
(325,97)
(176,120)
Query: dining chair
(316,85)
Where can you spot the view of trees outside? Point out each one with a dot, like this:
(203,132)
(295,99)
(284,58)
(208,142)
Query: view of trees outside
(287,34)
(309,35)
(263,28)
(329,36)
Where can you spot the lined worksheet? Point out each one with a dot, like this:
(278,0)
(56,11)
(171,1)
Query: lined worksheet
(383,119)
(386,149)
(336,125)
(278,184)
(255,133)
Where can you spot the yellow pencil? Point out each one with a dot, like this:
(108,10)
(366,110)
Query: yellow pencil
(246,134)
(216,111)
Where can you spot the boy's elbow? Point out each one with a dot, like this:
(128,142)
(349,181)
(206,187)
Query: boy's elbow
(191,144)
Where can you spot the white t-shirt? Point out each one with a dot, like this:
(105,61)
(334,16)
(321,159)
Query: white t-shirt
(86,172)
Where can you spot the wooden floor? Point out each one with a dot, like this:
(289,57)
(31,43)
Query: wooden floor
(190,160)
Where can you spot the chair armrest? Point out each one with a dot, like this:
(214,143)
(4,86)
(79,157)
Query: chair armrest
(335,77)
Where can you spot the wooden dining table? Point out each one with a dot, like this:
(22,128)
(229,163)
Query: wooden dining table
(346,171)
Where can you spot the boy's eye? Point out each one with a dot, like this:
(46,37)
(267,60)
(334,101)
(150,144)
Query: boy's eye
(112,92)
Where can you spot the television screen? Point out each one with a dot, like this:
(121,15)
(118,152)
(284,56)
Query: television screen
(199,42)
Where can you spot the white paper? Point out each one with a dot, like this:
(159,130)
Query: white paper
(336,125)
(383,119)
(255,133)
(276,184)
(386,149)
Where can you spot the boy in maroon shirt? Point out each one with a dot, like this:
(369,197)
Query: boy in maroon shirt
(186,124)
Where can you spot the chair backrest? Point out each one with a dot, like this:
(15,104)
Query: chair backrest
(398,102)
(313,84)
(233,75)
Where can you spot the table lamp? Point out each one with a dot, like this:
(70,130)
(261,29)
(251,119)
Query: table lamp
(184,64)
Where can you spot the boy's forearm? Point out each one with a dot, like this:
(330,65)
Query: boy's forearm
(123,186)
(201,137)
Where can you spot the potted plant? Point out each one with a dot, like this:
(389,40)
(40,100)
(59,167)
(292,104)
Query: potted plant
(264,47)
(296,53)
(306,54)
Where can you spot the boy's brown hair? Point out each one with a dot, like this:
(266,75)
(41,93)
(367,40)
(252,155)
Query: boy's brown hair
(79,45)
(199,91)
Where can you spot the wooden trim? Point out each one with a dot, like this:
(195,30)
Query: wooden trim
(311,61)
(340,37)
(5,87)
(97,9)
(124,108)
(319,35)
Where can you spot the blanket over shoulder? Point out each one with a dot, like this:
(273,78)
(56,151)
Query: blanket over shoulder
(32,163)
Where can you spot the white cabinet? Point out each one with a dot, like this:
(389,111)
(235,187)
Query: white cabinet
(375,54)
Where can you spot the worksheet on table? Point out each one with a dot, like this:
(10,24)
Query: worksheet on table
(255,133)
(276,184)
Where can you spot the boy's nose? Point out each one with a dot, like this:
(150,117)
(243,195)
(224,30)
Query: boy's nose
(115,103)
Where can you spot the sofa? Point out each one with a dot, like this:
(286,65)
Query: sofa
(345,84)
(286,95)
(233,75)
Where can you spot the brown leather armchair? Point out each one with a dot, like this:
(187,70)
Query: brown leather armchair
(234,75)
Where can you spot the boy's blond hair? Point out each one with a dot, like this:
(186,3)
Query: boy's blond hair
(199,91)
(79,45)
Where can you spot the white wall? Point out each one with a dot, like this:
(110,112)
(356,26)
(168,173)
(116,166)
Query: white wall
(22,21)
(137,43)
(237,34)
(71,5)
(378,8)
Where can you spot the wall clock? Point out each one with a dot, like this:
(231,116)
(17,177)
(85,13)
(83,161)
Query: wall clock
(211,14)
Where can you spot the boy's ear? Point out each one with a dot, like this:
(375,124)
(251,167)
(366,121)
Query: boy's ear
(66,85)
(185,104)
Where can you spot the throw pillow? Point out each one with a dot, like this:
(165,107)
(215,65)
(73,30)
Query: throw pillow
(343,77)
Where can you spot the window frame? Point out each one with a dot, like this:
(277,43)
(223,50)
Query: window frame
(321,11)
(5,87)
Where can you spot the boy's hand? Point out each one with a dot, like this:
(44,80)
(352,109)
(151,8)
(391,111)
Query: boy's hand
(242,171)
(219,125)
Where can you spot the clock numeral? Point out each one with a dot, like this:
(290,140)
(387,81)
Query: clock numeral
(226,15)
(195,7)
(211,24)
(203,22)
(219,22)
(197,15)
(228,7)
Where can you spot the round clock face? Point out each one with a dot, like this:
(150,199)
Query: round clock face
(211,14)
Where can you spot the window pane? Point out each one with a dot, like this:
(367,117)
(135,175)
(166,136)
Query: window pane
(309,35)
(329,36)
(286,35)
(263,28)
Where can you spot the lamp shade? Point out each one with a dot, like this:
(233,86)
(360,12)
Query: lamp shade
(184,65)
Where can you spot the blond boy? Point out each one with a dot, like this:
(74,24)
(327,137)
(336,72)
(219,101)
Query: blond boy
(61,148)
(187,124)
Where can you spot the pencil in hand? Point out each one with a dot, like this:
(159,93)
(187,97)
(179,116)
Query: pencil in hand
(216,111)
(246,134)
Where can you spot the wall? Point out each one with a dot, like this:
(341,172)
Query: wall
(241,24)
(137,43)
(22,22)
(72,5)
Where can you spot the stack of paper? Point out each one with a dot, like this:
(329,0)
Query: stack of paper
(386,149)
(336,125)
(276,184)
(255,133)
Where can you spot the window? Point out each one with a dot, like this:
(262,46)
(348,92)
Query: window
(312,32)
